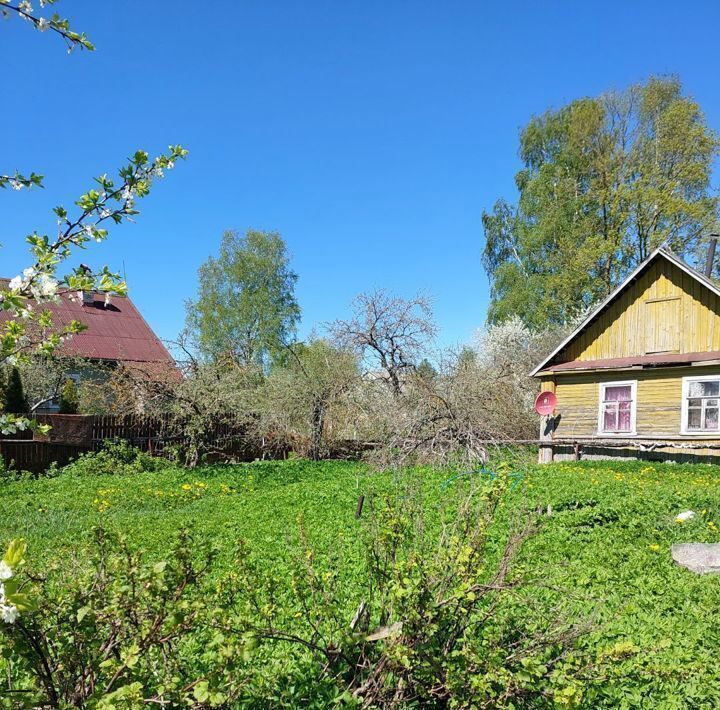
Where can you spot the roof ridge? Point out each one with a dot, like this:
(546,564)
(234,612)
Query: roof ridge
(662,250)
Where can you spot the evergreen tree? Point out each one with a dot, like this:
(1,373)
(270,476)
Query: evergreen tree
(425,370)
(15,400)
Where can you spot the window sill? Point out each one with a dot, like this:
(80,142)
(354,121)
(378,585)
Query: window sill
(617,434)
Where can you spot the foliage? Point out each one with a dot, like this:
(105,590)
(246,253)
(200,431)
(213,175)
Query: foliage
(115,458)
(303,396)
(604,181)
(15,399)
(31,329)
(56,24)
(601,554)
(69,398)
(45,376)
(469,400)
(116,624)
(109,637)
(246,307)
(426,600)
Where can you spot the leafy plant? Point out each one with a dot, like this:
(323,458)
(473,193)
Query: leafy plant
(426,600)
(109,636)
(69,398)
(116,458)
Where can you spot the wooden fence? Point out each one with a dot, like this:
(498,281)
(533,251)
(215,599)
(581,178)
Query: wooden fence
(36,456)
(72,435)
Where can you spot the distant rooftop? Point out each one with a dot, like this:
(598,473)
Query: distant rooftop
(116,331)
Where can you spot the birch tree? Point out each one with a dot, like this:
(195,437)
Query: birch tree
(604,182)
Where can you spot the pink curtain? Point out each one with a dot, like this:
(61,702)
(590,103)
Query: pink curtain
(618,417)
(619,393)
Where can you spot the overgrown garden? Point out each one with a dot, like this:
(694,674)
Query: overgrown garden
(438,569)
(259,585)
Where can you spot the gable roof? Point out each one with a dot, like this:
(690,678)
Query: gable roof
(659,253)
(116,331)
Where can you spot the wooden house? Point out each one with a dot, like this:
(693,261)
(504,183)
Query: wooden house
(116,335)
(640,377)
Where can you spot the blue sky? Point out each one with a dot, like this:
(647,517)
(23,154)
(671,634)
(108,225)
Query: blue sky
(371,134)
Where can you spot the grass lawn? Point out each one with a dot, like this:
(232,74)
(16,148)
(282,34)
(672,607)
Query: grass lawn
(602,553)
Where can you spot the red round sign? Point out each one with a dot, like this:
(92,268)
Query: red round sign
(545,403)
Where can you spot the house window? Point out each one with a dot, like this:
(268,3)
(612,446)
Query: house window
(617,408)
(701,404)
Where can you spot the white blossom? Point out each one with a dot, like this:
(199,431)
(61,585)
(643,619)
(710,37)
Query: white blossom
(5,571)
(9,613)
(43,24)
(44,286)
(25,6)
(16,184)
(15,283)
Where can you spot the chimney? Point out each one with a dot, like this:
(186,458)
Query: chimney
(88,297)
(711,255)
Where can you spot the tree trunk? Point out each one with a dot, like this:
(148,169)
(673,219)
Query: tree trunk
(316,436)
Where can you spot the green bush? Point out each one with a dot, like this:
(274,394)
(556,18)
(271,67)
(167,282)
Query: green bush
(109,636)
(69,400)
(116,457)
(125,630)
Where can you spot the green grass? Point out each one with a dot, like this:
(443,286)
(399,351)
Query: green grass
(603,554)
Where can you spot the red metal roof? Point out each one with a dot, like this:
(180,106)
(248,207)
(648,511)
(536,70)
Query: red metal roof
(114,332)
(658,360)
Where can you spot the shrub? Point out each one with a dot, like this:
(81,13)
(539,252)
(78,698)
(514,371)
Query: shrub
(116,457)
(427,630)
(109,637)
(69,398)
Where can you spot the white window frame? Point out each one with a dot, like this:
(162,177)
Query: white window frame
(633,408)
(685,407)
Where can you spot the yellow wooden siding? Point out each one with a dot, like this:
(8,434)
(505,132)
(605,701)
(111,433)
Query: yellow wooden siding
(658,401)
(547,384)
(664,310)
(662,325)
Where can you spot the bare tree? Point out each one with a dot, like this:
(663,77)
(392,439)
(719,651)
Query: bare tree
(473,398)
(390,334)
